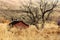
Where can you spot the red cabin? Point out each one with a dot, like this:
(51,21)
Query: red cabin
(19,24)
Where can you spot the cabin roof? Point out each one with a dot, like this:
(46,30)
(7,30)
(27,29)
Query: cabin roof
(19,22)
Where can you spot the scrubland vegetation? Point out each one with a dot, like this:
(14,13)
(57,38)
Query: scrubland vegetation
(42,18)
(49,32)
(31,33)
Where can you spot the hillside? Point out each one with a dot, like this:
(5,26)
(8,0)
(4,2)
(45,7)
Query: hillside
(9,4)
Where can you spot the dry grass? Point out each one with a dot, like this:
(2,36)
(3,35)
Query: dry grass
(30,33)
(50,32)
(3,20)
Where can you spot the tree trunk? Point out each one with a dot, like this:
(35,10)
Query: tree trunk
(37,26)
(43,21)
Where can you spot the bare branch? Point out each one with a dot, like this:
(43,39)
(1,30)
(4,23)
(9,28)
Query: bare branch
(37,13)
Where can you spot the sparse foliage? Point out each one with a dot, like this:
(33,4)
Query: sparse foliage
(35,13)
(47,8)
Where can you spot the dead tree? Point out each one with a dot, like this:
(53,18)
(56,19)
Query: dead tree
(36,13)
(32,17)
(47,8)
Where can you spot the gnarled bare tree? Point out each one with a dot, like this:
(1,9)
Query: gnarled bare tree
(47,8)
(35,13)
